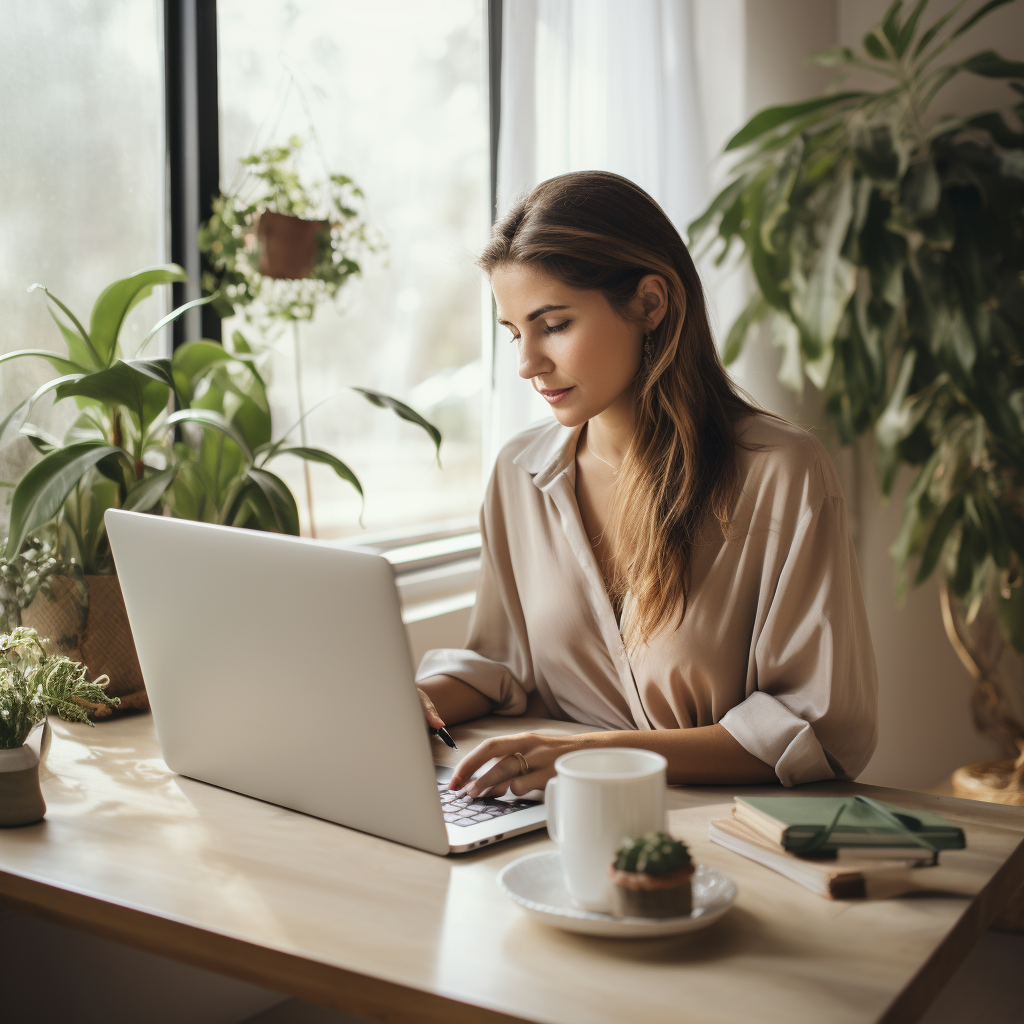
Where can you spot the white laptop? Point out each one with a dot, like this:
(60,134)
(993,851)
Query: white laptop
(278,667)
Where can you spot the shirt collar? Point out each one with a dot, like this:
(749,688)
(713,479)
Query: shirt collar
(551,452)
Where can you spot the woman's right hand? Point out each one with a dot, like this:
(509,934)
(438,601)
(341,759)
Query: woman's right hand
(434,720)
(449,701)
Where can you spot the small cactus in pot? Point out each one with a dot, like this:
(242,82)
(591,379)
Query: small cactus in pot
(651,877)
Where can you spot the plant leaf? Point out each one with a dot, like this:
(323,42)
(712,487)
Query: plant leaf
(756,310)
(319,455)
(192,361)
(834,56)
(891,23)
(786,336)
(59,363)
(775,204)
(156,369)
(171,317)
(117,299)
(214,420)
(874,45)
(120,384)
(274,502)
(148,491)
(934,30)
(42,442)
(402,411)
(772,117)
(10,428)
(991,65)
(72,338)
(906,36)
(43,489)
(980,13)
(718,205)
(937,538)
(819,301)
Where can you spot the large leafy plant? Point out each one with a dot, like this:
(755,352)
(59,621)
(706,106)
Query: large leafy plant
(130,448)
(887,251)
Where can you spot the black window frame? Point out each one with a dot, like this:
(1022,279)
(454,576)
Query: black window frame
(192,117)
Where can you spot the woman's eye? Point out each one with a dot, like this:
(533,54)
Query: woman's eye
(555,328)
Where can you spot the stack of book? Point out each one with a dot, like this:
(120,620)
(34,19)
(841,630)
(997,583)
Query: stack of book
(860,847)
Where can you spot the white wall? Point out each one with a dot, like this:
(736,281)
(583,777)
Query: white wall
(925,727)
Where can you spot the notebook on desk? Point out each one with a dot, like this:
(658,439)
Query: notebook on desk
(278,667)
(827,824)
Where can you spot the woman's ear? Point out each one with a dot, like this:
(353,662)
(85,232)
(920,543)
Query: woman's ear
(652,292)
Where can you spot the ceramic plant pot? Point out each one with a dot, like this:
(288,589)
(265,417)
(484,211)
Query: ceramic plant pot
(288,246)
(998,782)
(98,636)
(997,704)
(21,799)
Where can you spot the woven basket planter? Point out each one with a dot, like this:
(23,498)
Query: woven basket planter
(98,636)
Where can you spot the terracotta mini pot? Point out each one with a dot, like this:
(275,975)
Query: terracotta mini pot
(288,246)
(21,799)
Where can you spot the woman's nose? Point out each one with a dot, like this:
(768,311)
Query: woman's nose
(532,359)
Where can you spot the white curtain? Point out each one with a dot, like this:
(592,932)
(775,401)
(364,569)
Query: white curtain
(594,85)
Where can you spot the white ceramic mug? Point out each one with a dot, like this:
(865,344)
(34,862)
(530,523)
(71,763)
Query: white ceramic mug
(598,799)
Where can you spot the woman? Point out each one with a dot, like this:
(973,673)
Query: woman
(664,562)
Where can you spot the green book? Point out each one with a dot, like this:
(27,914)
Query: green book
(822,824)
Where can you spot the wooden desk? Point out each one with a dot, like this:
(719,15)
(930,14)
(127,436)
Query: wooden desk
(133,853)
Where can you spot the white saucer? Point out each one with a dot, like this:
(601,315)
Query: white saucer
(536,883)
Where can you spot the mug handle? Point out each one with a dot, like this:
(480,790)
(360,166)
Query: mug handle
(549,800)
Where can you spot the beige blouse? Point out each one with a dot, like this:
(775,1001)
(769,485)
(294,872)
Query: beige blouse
(774,644)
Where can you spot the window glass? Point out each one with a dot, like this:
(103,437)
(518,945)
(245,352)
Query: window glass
(394,91)
(81,175)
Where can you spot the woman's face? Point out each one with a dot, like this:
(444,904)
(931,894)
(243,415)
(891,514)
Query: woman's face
(576,351)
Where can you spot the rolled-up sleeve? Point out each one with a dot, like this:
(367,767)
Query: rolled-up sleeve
(813,710)
(496,658)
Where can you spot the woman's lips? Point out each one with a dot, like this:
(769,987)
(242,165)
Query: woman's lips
(554,395)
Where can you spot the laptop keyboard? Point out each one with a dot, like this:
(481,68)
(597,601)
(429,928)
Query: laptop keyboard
(461,809)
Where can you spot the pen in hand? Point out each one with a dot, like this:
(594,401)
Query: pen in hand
(443,733)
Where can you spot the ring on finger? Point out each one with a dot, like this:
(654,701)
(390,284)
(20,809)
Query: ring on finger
(524,765)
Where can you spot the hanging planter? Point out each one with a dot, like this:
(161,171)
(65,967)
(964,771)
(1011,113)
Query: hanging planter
(269,261)
(290,247)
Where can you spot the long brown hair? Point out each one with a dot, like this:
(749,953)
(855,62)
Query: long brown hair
(598,231)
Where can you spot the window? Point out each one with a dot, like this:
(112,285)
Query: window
(83,194)
(395,92)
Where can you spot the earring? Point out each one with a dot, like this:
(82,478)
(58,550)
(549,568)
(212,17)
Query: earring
(648,349)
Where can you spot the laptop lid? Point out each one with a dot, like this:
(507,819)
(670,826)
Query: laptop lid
(278,667)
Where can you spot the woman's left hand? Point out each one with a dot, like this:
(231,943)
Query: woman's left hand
(531,770)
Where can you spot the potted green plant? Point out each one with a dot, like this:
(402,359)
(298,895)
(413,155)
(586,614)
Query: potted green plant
(33,684)
(123,452)
(276,246)
(887,251)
